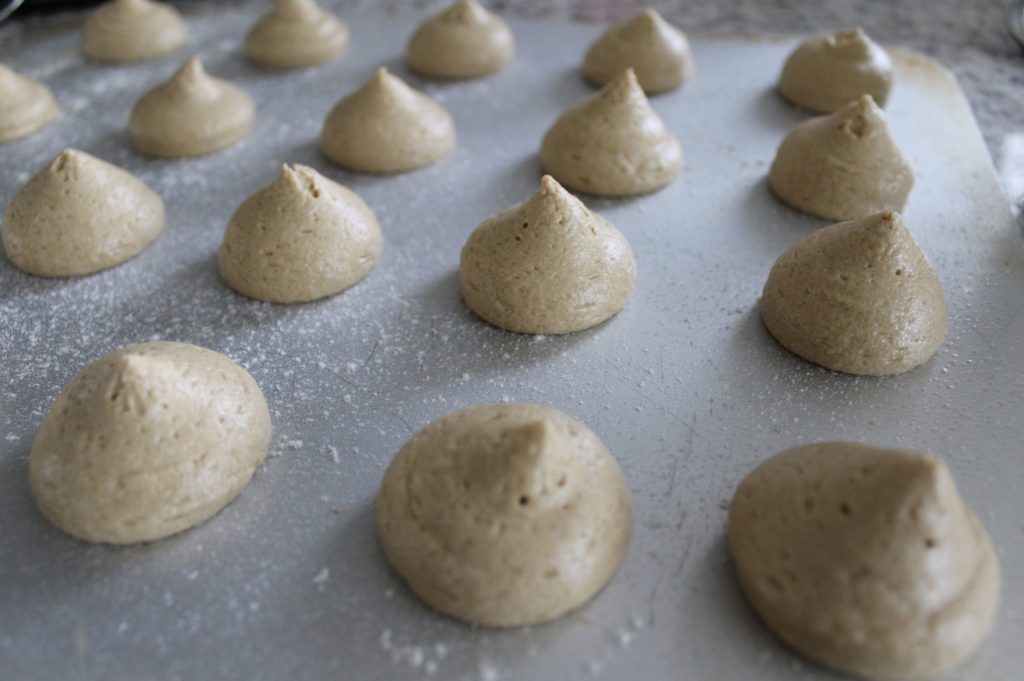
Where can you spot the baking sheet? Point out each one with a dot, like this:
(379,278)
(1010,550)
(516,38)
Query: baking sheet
(685,386)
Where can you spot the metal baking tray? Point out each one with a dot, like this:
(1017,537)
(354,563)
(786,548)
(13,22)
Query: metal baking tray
(685,386)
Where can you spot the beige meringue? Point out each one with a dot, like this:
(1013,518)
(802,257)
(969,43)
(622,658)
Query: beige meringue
(504,514)
(132,30)
(547,266)
(842,166)
(826,72)
(191,114)
(26,105)
(612,144)
(296,33)
(858,297)
(656,50)
(386,127)
(299,238)
(80,215)
(463,41)
(865,559)
(148,441)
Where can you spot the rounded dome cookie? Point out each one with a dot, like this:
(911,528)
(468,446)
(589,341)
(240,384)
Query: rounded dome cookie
(300,238)
(148,441)
(463,41)
(858,297)
(657,51)
(612,144)
(504,514)
(864,559)
(546,266)
(132,30)
(827,72)
(842,166)
(295,34)
(386,127)
(192,114)
(80,215)
(26,105)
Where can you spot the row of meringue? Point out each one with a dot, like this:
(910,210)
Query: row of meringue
(385,126)
(466,40)
(463,41)
(857,297)
(511,515)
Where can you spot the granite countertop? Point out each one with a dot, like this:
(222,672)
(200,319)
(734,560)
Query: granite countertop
(967,36)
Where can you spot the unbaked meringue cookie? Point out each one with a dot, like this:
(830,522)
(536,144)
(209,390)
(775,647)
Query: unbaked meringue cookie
(132,30)
(547,266)
(26,105)
(192,114)
(463,41)
(148,441)
(842,166)
(827,72)
(656,50)
(296,33)
(612,144)
(80,215)
(386,127)
(504,515)
(865,559)
(299,238)
(858,297)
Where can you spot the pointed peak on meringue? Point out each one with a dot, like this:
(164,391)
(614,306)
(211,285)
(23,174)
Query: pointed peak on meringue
(825,72)
(296,34)
(656,50)
(299,238)
(55,227)
(884,532)
(194,81)
(858,297)
(465,12)
(531,468)
(298,10)
(612,143)
(163,120)
(386,126)
(546,266)
(842,166)
(132,30)
(465,40)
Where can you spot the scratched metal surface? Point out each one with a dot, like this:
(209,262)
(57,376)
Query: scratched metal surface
(684,386)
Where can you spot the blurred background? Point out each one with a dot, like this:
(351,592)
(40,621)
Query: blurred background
(972,38)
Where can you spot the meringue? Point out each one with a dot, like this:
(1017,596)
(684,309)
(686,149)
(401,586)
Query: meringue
(26,105)
(79,215)
(295,34)
(132,30)
(546,266)
(386,127)
(463,41)
(148,441)
(827,72)
(656,50)
(865,559)
(504,514)
(858,297)
(299,238)
(612,144)
(842,166)
(192,114)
